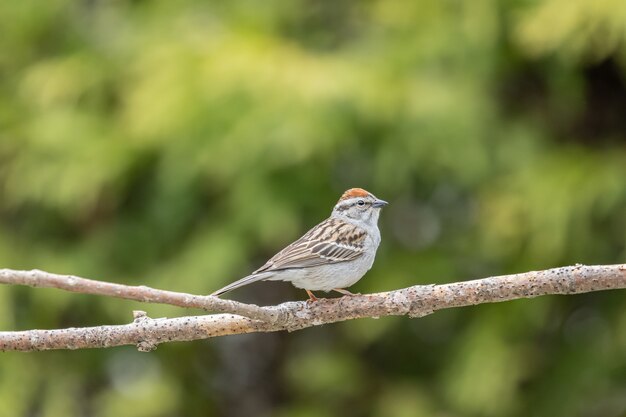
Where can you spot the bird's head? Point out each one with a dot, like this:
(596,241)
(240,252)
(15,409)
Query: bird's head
(359,205)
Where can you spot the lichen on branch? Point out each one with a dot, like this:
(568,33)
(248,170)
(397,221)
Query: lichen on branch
(238,318)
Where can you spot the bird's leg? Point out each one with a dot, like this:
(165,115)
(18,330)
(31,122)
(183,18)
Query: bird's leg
(312,296)
(344,292)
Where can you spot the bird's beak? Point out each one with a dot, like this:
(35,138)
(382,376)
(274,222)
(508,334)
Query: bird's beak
(379,203)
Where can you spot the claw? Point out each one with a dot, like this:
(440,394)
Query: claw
(312,296)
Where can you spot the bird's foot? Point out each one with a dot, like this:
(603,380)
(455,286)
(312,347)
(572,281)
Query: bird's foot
(312,297)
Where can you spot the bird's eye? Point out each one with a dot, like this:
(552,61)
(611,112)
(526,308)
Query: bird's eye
(360,202)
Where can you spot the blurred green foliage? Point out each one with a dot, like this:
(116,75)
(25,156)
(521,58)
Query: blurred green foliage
(180,144)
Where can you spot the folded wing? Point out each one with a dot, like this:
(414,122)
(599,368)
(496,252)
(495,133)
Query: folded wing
(331,241)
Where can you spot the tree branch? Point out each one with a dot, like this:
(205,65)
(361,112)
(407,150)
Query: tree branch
(36,278)
(416,301)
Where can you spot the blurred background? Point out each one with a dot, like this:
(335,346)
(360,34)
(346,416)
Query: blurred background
(181,144)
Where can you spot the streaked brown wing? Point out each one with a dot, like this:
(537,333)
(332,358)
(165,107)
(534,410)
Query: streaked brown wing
(331,241)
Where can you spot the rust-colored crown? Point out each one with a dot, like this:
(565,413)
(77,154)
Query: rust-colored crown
(354,192)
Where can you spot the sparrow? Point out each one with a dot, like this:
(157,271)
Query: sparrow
(333,255)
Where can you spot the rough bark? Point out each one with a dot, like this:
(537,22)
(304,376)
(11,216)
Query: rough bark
(416,301)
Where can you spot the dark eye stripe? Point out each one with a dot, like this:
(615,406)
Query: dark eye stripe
(347,205)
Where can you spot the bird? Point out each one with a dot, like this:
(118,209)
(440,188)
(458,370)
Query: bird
(333,255)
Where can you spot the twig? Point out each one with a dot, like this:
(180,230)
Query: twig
(42,279)
(416,301)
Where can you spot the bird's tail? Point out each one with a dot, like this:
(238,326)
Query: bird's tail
(241,282)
